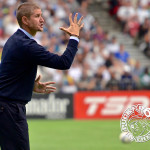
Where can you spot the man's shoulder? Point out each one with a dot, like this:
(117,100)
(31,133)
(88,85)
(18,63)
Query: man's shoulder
(17,36)
(23,38)
(20,34)
(19,40)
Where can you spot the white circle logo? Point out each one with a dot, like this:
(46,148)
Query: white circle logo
(136,122)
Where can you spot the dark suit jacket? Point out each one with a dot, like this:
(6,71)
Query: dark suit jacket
(18,67)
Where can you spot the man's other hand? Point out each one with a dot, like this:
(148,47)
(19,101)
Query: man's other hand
(40,87)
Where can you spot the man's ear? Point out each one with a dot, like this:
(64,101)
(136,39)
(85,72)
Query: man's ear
(25,20)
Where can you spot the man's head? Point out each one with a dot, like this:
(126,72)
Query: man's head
(29,17)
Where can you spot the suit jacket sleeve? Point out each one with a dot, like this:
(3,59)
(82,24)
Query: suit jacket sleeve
(40,56)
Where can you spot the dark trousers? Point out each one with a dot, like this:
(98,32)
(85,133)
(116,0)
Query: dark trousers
(13,127)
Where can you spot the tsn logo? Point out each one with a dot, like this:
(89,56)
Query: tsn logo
(113,105)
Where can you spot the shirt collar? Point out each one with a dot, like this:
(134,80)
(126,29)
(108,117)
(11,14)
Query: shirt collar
(25,32)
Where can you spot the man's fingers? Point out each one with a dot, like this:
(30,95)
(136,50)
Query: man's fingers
(48,91)
(48,83)
(63,29)
(51,87)
(38,78)
(75,18)
(82,25)
(75,25)
(79,22)
(70,19)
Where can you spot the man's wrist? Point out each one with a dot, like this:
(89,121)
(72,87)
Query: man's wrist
(75,35)
(74,38)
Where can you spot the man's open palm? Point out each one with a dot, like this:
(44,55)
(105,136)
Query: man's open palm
(75,26)
(44,88)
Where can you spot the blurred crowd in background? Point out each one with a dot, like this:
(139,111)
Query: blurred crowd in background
(101,63)
(134,17)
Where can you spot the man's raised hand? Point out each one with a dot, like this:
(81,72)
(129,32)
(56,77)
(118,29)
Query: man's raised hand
(75,26)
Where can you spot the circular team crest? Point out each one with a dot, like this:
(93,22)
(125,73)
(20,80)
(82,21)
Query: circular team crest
(136,122)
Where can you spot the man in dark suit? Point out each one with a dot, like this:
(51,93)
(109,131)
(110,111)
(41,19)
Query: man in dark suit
(18,68)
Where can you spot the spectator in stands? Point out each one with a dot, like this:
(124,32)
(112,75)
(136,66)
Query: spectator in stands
(87,18)
(136,72)
(94,60)
(10,25)
(113,7)
(44,40)
(102,77)
(144,3)
(113,46)
(132,26)
(86,81)
(80,57)
(143,29)
(146,49)
(125,12)
(87,41)
(127,82)
(110,60)
(68,84)
(142,13)
(54,45)
(99,35)
(75,71)
(103,52)
(122,55)
(106,39)
(113,84)
(145,78)
(3,39)
(73,5)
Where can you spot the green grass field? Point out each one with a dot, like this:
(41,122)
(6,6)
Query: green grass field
(79,135)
